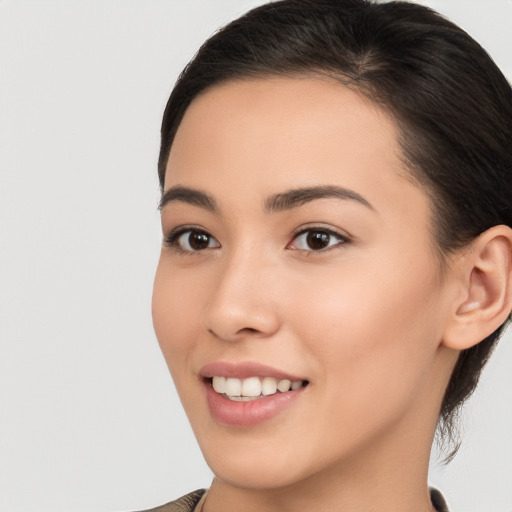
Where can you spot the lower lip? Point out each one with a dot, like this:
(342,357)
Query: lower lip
(245,414)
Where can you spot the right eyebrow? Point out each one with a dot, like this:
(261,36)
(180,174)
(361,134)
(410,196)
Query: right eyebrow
(189,196)
(297,197)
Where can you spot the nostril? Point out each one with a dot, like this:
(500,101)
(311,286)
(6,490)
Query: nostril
(248,330)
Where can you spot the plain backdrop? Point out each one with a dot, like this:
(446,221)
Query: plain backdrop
(89,419)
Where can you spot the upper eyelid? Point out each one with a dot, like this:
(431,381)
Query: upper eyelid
(319,227)
(183,228)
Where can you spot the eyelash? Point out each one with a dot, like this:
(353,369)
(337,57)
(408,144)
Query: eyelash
(173,239)
(342,239)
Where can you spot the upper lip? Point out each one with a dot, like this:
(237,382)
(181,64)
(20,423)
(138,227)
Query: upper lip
(244,370)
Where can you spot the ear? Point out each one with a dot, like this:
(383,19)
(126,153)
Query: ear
(484,273)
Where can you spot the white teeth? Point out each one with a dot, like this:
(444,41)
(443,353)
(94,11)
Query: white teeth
(219,384)
(284,385)
(241,398)
(251,387)
(233,387)
(242,390)
(268,386)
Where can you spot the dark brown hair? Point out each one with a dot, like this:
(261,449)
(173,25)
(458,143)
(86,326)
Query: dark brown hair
(450,102)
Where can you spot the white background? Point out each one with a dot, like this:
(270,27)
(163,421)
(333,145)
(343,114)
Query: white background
(88,415)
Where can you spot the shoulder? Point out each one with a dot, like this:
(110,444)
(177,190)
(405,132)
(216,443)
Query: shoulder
(186,503)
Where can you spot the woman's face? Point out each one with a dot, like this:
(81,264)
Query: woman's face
(299,254)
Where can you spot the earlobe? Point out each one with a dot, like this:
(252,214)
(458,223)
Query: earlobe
(486,277)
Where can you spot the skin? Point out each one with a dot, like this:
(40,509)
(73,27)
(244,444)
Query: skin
(363,320)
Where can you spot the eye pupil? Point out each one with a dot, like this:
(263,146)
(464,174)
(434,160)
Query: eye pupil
(198,240)
(318,239)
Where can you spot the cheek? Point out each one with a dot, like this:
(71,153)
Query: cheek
(370,334)
(176,315)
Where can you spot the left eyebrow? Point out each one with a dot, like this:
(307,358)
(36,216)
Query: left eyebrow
(297,197)
(190,196)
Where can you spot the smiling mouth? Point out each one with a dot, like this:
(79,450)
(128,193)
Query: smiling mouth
(253,388)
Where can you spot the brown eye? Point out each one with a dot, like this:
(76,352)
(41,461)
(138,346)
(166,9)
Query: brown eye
(193,240)
(198,241)
(317,240)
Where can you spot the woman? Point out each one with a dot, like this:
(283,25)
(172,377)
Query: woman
(336,266)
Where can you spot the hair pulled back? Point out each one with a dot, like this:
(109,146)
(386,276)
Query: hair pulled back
(450,102)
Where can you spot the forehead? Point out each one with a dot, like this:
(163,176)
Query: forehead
(259,137)
(284,117)
(297,104)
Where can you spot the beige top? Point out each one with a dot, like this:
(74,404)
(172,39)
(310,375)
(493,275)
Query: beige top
(188,502)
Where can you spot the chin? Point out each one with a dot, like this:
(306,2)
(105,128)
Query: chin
(253,473)
(260,459)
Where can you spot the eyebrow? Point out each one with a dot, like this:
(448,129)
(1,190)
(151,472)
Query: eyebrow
(189,196)
(288,200)
(297,197)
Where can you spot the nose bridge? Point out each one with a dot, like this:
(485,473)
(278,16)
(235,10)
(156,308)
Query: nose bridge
(243,300)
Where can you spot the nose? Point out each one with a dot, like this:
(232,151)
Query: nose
(243,303)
